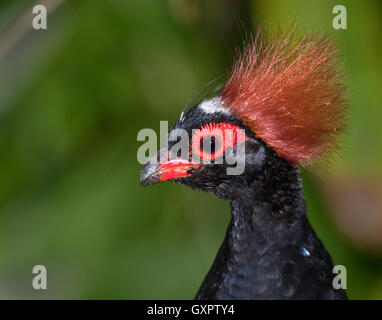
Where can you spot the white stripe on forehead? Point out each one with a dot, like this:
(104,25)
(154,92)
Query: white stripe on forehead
(213,106)
(181,117)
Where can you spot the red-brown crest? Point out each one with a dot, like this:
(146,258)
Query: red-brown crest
(290,93)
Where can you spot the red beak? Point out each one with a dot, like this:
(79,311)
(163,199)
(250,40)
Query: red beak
(152,173)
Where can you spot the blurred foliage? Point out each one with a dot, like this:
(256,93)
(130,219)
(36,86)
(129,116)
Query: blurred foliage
(72,99)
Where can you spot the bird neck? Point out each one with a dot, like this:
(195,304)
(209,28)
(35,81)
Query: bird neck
(268,224)
(272,206)
(272,218)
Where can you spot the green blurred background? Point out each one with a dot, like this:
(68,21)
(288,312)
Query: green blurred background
(72,100)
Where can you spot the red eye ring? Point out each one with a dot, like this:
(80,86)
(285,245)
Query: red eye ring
(210,131)
(220,135)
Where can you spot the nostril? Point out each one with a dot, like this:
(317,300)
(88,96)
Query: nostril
(149,174)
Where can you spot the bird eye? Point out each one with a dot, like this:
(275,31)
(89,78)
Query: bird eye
(210,141)
(211,145)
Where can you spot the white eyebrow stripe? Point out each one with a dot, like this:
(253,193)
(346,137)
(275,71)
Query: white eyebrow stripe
(213,106)
(181,117)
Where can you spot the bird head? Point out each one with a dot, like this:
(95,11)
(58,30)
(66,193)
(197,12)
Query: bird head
(283,104)
(221,153)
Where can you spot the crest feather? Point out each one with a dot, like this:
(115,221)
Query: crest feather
(290,93)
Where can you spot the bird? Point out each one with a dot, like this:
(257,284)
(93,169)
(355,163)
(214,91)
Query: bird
(284,103)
